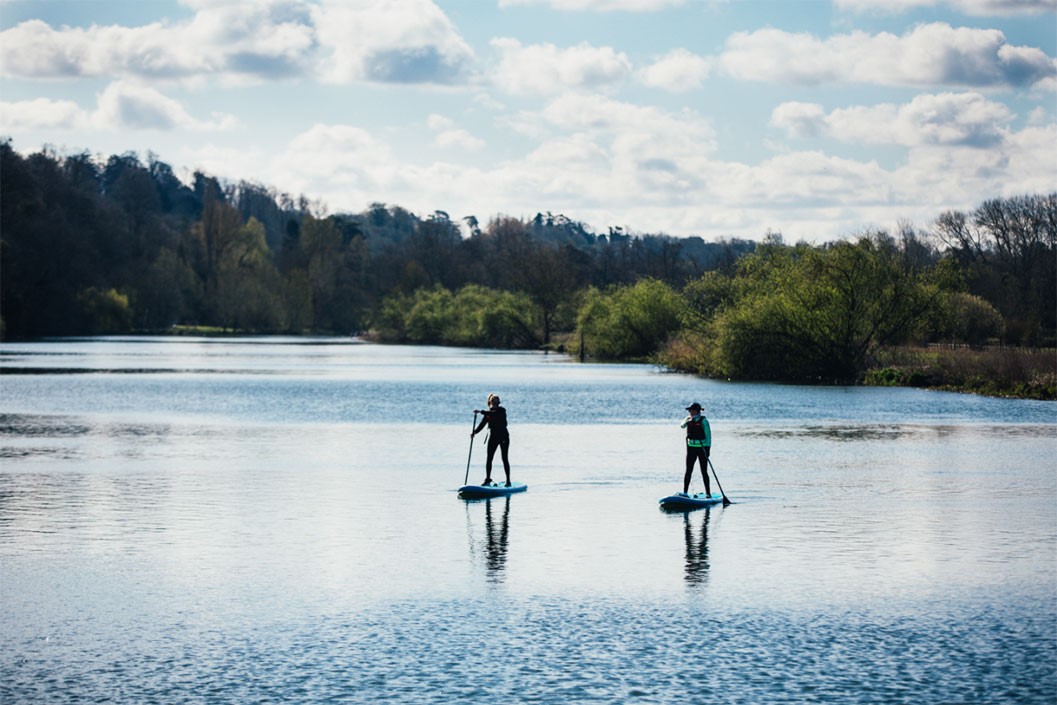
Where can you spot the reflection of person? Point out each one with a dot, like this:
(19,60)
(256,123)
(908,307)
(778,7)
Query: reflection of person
(696,550)
(498,437)
(698,445)
(497,537)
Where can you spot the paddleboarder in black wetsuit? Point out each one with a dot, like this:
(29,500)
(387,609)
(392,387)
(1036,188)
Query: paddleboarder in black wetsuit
(698,445)
(498,436)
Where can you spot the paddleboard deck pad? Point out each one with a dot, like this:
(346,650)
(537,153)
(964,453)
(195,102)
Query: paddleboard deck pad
(484,492)
(683,502)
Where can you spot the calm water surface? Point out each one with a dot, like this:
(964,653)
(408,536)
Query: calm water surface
(273,520)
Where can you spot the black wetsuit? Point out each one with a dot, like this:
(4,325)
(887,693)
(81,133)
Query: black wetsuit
(498,437)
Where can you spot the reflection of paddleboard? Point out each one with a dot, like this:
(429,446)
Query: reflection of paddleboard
(483,492)
(682,502)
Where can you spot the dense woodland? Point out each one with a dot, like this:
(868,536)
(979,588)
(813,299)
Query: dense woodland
(124,246)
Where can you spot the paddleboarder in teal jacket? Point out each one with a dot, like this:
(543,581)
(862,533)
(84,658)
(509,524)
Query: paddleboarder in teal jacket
(698,445)
(498,436)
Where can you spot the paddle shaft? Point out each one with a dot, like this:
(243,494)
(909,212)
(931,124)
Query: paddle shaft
(725,500)
(470,454)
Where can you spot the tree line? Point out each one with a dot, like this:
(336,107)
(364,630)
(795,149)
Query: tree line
(92,246)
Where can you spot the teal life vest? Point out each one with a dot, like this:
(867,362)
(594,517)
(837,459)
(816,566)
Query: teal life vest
(698,432)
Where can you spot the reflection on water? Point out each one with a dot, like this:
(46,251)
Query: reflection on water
(32,426)
(893,432)
(696,547)
(844,432)
(492,550)
(286,531)
(497,535)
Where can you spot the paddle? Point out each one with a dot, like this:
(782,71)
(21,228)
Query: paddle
(470,454)
(725,500)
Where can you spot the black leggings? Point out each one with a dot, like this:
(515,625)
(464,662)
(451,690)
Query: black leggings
(504,444)
(694,453)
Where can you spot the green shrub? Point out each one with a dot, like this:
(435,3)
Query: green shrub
(105,311)
(474,316)
(629,322)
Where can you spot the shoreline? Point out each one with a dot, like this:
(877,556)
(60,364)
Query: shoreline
(1000,372)
(1004,372)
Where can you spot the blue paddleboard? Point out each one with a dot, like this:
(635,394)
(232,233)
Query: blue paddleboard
(682,502)
(483,492)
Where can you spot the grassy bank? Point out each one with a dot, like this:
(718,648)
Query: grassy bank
(1024,373)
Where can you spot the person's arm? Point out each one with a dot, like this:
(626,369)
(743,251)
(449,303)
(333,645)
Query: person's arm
(708,431)
(484,420)
(685,421)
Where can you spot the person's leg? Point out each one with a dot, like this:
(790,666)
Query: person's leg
(492,445)
(689,469)
(504,447)
(704,470)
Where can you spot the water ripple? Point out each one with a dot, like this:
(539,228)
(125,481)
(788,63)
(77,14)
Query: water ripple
(550,650)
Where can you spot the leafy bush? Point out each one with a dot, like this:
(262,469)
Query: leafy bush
(804,313)
(105,311)
(474,316)
(629,322)
(965,317)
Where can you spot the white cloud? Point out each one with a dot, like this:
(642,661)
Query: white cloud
(545,68)
(227,162)
(340,164)
(642,142)
(448,135)
(813,178)
(928,55)
(1039,116)
(593,149)
(1031,162)
(934,175)
(267,38)
(580,112)
(966,119)
(977,8)
(246,39)
(591,152)
(608,162)
(459,139)
(33,49)
(123,105)
(41,113)
(1046,86)
(339,145)
(130,105)
(678,71)
(439,122)
(809,195)
(398,41)
(799,120)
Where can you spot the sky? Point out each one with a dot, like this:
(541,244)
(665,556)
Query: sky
(816,119)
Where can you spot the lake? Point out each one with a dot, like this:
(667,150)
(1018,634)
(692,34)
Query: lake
(191,520)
